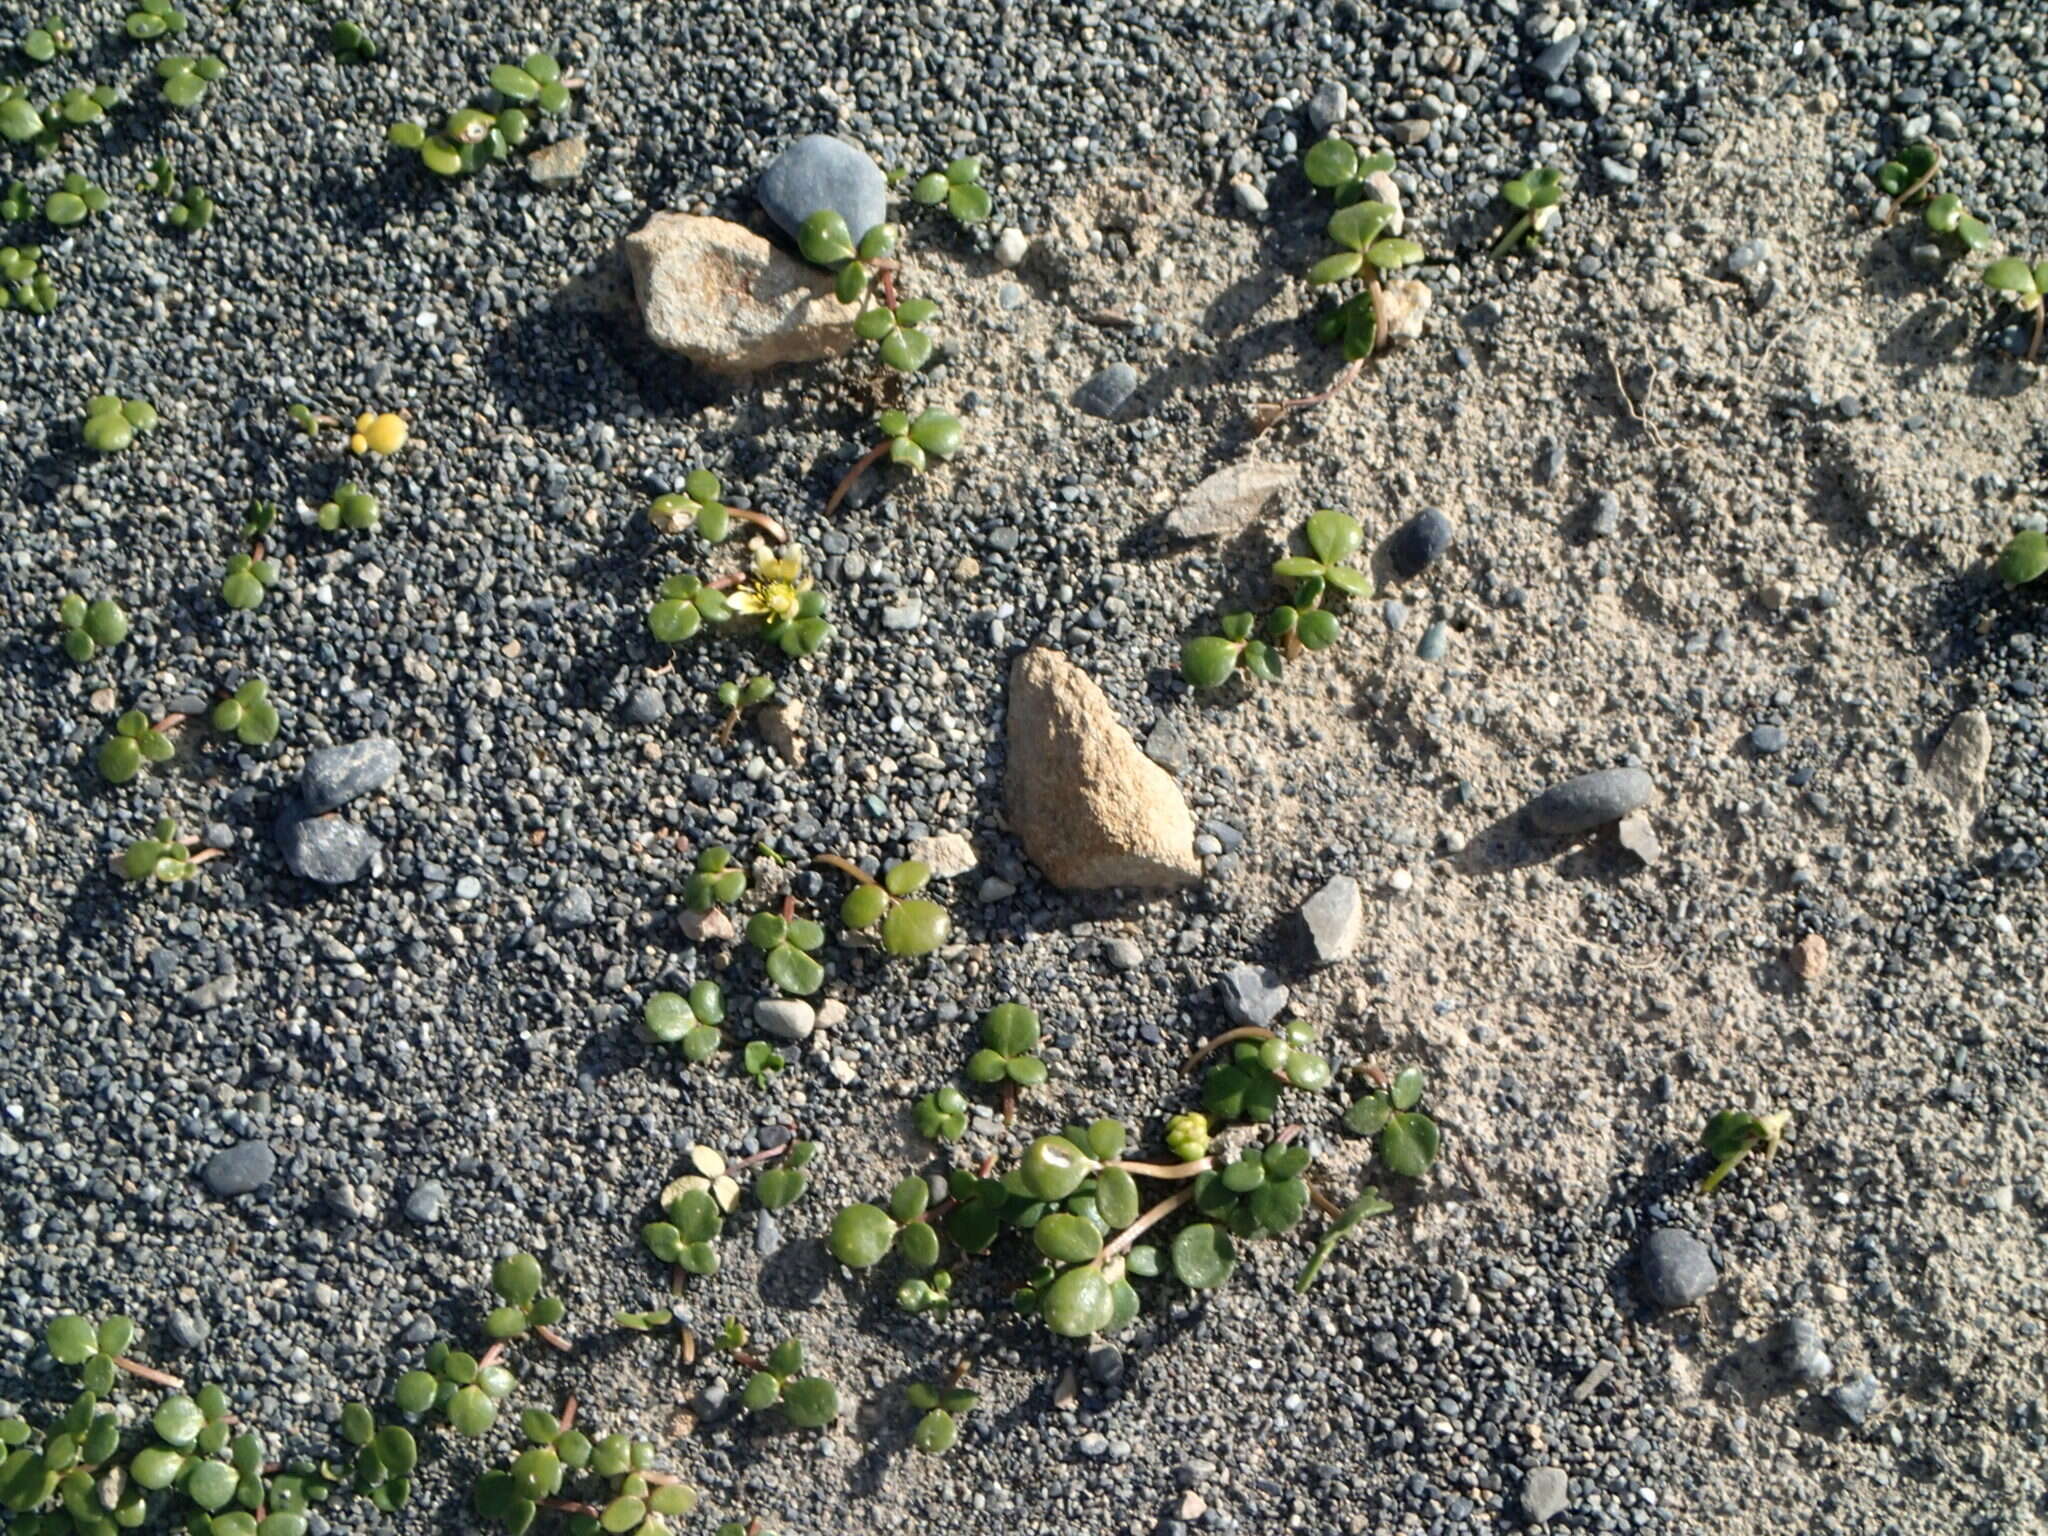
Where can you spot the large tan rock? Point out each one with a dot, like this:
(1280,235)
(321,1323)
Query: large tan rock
(1091,809)
(726,299)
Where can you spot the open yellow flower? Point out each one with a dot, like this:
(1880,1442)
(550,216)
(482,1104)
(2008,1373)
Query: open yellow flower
(776,588)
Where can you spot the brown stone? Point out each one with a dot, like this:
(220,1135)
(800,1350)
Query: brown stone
(726,299)
(1091,810)
(1809,959)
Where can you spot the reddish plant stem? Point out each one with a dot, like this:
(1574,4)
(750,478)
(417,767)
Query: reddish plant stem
(568,1414)
(789,906)
(552,1339)
(1124,1239)
(1186,1170)
(1009,1101)
(768,1156)
(492,1355)
(1273,412)
(149,1373)
(726,582)
(2034,346)
(761,520)
(572,1507)
(1906,194)
(860,467)
(170,723)
(850,869)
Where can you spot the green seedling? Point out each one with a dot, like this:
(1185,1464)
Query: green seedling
(188,77)
(2024,287)
(1300,624)
(912,442)
(737,698)
(1187,1136)
(351,43)
(862,1235)
(98,1350)
(926,1295)
(460,1387)
(134,742)
(252,573)
(907,924)
(941,1115)
(42,44)
(350,507)
(1946,215)
(697,505)
(1355,1215)
(644,1322)
(517,1281)
(1262,1063)
(942,1404)
(1534,195)
(791,610)
(1408,1138)
(691,1021)
(761,1061)
(90,627)
(866,274)
(57,1478)
(2025,558)
(1909,178)
(15,203)
(958,186)
(247,714)
(386,1455)
(898,332)
(191,209)
(163,856)
(74,201)
(1009,1035)
(1335,167)
(22,123)
(25,283)
(472,137)
(152,19)
(627,1497)
(808,1402)
(715,881)
(778,1188)
(111,423)
(227,1490)
(310,421)
(683,606)
(1734,1134)
(787,943)
(685,1238)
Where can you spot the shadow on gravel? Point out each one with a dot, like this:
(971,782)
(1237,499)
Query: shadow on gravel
(1508,844)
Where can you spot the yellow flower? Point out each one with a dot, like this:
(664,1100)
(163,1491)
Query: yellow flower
(776,588)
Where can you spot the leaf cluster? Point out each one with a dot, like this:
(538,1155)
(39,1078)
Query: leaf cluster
(162,856)
(471,137)
(247,714)
(111,423)
(1407,1138)
(690,1020)
(958,186)
(1302,623)
(134,742)
(1009,1034)
(1247,1086)
(90,627)
(25,283)
(808,1402)
(907,924)
(941,1405)
(1734,1134)
(715,880)
(350,507)
(517,1281)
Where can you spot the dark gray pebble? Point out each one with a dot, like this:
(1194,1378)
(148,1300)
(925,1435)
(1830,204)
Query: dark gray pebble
(333,776)
(325,848)
(1105,394)
(1591,800)
(1419,543)
(1677,1269)
(237,1170)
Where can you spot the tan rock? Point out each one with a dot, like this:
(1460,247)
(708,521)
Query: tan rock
(1958,765)
(1091,810)
(559,163)
(1230,499)
(780,725)
(1407,301)
(1809,959)
(948,853)
(725,298)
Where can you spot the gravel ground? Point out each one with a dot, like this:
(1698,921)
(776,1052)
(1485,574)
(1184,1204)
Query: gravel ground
(1723,458)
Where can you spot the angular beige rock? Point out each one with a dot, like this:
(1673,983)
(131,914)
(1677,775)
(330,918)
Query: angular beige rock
(726,299)
(1957,767)
(1407,302)
(1091,809)
(1229,499)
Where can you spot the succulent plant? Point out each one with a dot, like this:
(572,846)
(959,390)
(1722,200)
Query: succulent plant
(1534,195)
(760,1060)
(1357,1213)
(2025,558)
(738,697)
(808,1402)
(627,1496)
(134,742)
(1259,1193)
(40,44)
(780,1187)
(825,241)
(791,609)
(1334,166)
(517,1281)
(698,505)
(162,856)
(251,573)
(25,283)
(941,1405)
(472,137)
(460,1387)
(191,208)
(1300,624)
(907,924)
(1946,215)
(111,423)
(1261,1064)
(941,1115)
(1408,1138)
(248,714)
(1908,177)
(683,606)
(689,1020)
(386,1455)
(715,880)
(1733,1134)
(958,186)
(97,1349)
(350,43)
(1009,1034)
(350,507)
(1187,1136)
(787,943)
(90,627)
(152,19)
(912,442)
(75,200)
(686,1236)
(188,77)
(898,332)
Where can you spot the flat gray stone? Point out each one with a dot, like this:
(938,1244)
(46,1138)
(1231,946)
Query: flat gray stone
(333,776)
(1335,919)
(425,1205)
(819,171)
(1856,1399)
(1677,1269)
(1552,61)
(325,849)
(1327,107)
(1591,800)
(1229,500)
(1107,393)
(239,1169)
(1799,1352)
(1545,1492)
(785,1018)
(1253,994)
(574,909)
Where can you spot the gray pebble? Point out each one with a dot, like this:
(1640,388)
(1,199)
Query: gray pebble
(906,615)
(1419,543)
(1545,1492)
(186,1331)
(426,1202)
(767,1234)
(1591,800)
(1856,1399)
(1327,107)
(237,1170)
(1436,642)
(1106,393)
(1335,919)
(1677,1269)
(1603,516)
(645,706)
(1551,62)
(1249,197)
(1012,248)
(1800,1353)
(574,909)
(1745,255)
(1549,461)
(1768,740)
(1253,994)
(468,888)
(1106,1364)
(819,171)
(1123,955)
(785,1018)
(1393,614)
(1010,296)
(210,995)
(333,776)
(326,849)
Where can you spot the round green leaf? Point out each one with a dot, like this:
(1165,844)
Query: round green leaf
(794,971)
(517,1278)
(2010,276)
(916,927)
(1053,1168)
(415,1392)
(1335,268)
(471,1411)
(861,1236)
(1316,629)
(211,1484)
(72,1340)
(968,204)
(824,239)
(864,907)
(178,1420)
(810,1402)
(1067,1239)
(1330,164)
(1209,661)
(1406,1091)
(917,1243)
(1408,1144)
(1116,1197)
(935,1433)
(1077,1304)
(2024,559)
(514,83)
(929,189)
(906,350)
(1203,1256)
